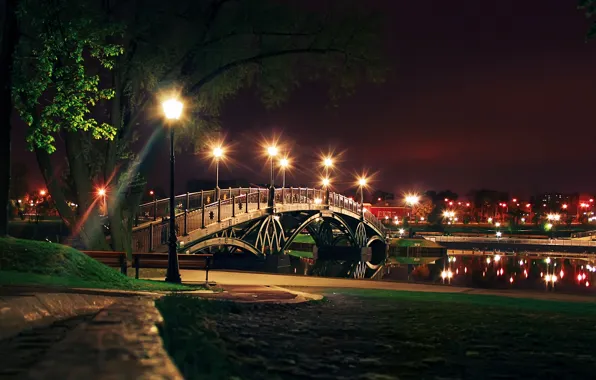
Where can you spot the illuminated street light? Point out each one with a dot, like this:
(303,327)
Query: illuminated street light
(325,182)
(499,234)
(490,220)
(498,224)
(412,199)
(172,109)
(217,153)
(101,192)
(284,163)
(42,193)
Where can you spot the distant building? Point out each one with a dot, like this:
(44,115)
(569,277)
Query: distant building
(388,210)
(382,196)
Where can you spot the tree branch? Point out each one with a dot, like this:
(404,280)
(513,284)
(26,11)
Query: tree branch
(259,57)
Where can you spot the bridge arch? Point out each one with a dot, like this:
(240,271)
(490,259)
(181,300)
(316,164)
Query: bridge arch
(314,218)
(379,249)
(225,241)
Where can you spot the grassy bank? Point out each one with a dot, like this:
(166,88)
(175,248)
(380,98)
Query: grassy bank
(381,335)
(27,262)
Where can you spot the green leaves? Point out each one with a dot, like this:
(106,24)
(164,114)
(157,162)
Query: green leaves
(589,7)
(56,78)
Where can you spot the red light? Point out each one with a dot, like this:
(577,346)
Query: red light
(591,200)
(459,203)
(587,283)
(450,203)
(151,192)
(565,206)
(467,204)
(514,200)
(579,277)
(504,205)
(446,200)
(42,193)
(528,205)
(379,199)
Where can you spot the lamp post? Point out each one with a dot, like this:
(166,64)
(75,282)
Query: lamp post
(412,200)
(172,109)
(362,183)
(218,153)
(272,152)
(284,163)
(326,182)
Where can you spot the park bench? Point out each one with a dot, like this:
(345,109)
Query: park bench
(110,258)
(160,261)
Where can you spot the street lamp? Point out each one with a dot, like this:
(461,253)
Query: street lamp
(326,182)
(284,163)
(362,183)
(152,193)
(173,110)
(272,152)
(412,200)
(217,153)
(327,163)
(42,193)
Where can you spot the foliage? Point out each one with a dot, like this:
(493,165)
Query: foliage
(34,262)
(52,86)
(589,8)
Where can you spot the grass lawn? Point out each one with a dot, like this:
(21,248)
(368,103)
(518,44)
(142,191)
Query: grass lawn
(27,262)
(300,254)
(381,335)
(404,242)
(304,238)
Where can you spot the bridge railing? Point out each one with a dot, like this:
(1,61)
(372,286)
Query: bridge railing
(583,234)
(202,209)
(555,242)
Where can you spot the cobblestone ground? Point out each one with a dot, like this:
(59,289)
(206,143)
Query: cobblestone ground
(348,337)
(19,353)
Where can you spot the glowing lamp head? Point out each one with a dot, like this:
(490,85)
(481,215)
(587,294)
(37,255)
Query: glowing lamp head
(217,152)
(172,108)
(151,192)
(326,182)
(284,163)
(42,193)
(412,199)
(362,182)
(328,162)
(101,192)
(272,151)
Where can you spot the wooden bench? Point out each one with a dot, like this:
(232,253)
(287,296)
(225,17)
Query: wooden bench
(110,258)
(160,261)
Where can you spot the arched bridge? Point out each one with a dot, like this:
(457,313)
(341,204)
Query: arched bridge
(266,221)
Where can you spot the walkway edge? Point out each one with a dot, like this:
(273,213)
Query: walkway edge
(300,296)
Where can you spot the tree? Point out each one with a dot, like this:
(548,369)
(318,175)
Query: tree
(423,208)
(205,51)
(589,7)
(56,82)
(9,39)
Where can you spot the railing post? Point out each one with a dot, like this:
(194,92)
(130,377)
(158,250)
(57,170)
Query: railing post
(246,201)
(291,195)
(151,237)
(187,200)
(202,209)
(230,192)
(219,210)
(258,198)
(154,208)
(283,198)
(233,206)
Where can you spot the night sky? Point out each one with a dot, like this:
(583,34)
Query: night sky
(495,93)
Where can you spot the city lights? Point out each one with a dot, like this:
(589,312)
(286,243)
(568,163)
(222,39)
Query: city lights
(326,182)
(362,182)
(42,193)
(328,162)
(284,163)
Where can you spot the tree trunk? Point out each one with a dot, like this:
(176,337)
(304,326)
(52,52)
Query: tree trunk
(10,37)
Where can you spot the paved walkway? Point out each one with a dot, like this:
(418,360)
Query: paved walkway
(227,278)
